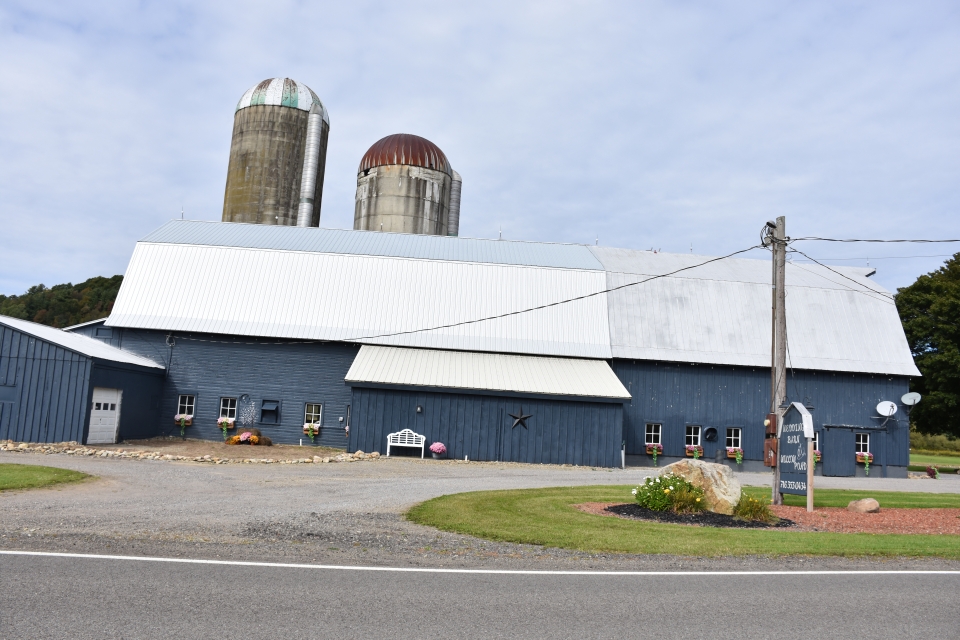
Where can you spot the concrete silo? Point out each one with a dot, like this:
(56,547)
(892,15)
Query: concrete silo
(404,185)
(277,156)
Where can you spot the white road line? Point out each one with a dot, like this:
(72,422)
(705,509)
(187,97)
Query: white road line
(290,565)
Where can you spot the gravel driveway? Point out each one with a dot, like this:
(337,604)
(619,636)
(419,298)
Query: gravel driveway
(332,513)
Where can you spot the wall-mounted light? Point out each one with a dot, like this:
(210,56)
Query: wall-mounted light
(419,409)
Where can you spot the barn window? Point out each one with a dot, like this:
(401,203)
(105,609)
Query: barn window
(816,441)
(270,412)
(733,437)
(693,435)
(312,413)
(652,435)
(185,405)
(228,407)
(863,443)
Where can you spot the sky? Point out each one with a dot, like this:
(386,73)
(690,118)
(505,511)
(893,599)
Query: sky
(677,126)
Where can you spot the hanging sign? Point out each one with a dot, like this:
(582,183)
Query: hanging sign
(792,458)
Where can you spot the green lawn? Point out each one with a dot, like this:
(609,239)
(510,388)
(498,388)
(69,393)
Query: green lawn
(942,461)
(546,517)
(28,476)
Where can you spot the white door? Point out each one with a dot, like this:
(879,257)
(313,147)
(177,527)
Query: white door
(104,416)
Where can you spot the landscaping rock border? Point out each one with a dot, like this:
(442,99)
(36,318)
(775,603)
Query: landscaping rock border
(76,449)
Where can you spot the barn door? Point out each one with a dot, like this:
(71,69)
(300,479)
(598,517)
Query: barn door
(104,416)
(839,452)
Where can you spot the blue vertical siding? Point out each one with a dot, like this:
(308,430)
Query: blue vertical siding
(211,366)
(677,395)
(140,403)
(477,426)
(46,388)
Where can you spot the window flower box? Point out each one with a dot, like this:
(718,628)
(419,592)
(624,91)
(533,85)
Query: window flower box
(694,451)
(817,456)
(865,458)
(311,429)
(654,449)
(183,419)
(224,424)
(735,453)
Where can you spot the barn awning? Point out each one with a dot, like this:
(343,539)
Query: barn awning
(494,373)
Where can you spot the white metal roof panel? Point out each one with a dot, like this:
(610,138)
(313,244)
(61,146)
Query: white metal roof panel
(375,243)
(486,372)
(720,314)
(76,342)
(359,298)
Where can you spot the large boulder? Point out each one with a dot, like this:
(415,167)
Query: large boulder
(720,488)
(865,505)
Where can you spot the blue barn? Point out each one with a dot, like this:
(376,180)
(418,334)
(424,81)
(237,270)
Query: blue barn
(602,352)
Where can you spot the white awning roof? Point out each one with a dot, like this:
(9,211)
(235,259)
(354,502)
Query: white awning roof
(76,342)
(493,372)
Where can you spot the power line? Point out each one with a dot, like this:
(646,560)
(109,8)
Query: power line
(551,304)
(858,240)
(886,297)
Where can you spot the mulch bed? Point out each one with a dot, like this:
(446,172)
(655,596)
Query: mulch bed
(702,519)
(833,519)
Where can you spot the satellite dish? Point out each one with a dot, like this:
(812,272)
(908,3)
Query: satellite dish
(910,399)
(886,408)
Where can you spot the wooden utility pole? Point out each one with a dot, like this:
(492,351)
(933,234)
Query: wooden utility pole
(778,374)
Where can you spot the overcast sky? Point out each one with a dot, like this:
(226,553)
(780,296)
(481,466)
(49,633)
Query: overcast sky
(639,124)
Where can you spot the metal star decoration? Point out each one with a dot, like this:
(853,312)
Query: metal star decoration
(520,418)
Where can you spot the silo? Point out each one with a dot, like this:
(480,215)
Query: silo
(277,156)
(403,185)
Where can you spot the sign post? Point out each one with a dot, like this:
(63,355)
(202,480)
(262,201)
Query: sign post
(794,456)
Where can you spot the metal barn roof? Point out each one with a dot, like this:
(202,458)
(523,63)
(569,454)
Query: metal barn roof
(76,342)
(493,372)
(322,284)
(720,314)
(374,243)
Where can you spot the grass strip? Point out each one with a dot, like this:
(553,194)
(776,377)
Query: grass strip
(29,476)
(843,497)
(951,459)
(546,517)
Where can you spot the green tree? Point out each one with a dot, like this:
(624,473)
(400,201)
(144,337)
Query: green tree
(64,305)
(930,312)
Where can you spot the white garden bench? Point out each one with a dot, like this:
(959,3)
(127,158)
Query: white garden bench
(406,438)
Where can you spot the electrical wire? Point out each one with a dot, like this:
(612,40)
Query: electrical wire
(551,304)
(886,296)
(935,255)
(814,238)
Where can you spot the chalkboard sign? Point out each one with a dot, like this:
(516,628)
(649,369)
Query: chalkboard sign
(796,427)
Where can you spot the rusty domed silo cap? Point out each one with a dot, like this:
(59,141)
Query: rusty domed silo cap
(282,92)
(405,148)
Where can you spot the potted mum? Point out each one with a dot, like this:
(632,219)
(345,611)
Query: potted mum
(438,450)
(654,450)
(311,429)
(183,421)
(224,424)
(694,451)
(736,453)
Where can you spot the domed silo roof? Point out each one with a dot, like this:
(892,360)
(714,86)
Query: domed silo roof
(405,148)
(282,92)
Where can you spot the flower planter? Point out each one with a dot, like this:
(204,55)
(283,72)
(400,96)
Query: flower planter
(654,449)
(731,454)
(188,422)
(437,456)
(690,449)
(863,458)
(817,456)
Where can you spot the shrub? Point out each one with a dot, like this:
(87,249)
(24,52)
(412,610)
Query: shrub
(669,492)
(924,442)
(752,509)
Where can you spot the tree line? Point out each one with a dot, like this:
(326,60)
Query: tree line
(64,305)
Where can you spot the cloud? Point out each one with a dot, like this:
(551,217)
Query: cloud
(644,124)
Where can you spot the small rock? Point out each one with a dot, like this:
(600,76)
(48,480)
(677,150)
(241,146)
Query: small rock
(375,454)
(866,505)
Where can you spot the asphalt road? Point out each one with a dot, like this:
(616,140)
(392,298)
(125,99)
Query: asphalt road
(46,597)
